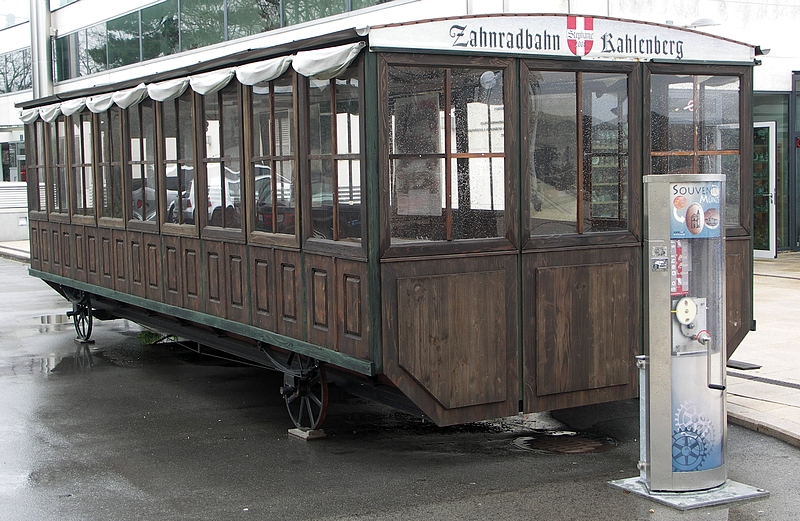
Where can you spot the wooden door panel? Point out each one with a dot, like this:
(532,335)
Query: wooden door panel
(237,288)
(106,252)
(288,294)
(138,273)
(738,291)
(321,295)
(154,276)
(79,249)
(191,269)
(35,240)
(121,264)
(55,249)
(262,283)
(92,260)
(353,334)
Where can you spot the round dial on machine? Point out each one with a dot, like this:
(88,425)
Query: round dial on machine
(686,311)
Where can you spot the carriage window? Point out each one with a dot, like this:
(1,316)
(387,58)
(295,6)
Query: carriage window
(110,163)
(447,155)
(335,157)
(273,156)
(36,166)
(222,158)
(82,178)
(695,121)
(578,167)
(57,179)
(179,183)
(141,164)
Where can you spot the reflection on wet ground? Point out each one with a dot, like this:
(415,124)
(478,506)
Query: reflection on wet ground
(54,323)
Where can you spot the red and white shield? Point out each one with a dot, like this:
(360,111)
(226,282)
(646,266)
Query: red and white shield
(580,35)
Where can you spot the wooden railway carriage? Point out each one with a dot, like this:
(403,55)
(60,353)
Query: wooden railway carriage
(449,210)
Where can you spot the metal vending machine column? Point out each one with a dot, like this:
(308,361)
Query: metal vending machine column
(684,382)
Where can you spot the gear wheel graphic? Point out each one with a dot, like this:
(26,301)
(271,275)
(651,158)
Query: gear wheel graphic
(689,450)
(691,418)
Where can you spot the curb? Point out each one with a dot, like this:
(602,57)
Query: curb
(780,429)
(15,254)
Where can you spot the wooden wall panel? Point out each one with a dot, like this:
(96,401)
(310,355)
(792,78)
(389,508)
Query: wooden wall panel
(738,296)
(581,333)
(55,249)
(236,283)
(321,295)
(288,298)
(173,271)
(154,275)
(92,259)
(121,264)
(214,277)
(262,284)
(353,334)
(36,244)
(106,252)
(450,335)
(136,257)
(67,249)
(79,252)
(45,248)
(192,271)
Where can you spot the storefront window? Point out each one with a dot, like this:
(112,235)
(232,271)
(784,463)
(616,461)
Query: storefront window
(695,129)
(447,153)
(273,156)
(202,23)
(222,158)
(82,175)
(578,167)
(179,183)
(246,17)
(335,157)
(123,40)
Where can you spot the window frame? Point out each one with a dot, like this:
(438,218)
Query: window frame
(167,227)
(36,168)
(235,235)
(508,242)
(745,75)
(82,164)
(56,168)
(129,163)
(342,248)
(255,236)
(115,158)
(631,233)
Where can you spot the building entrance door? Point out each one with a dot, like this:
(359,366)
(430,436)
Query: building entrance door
(764,222)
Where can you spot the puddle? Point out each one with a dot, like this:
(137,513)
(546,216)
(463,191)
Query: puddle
(565,442)
(54,323)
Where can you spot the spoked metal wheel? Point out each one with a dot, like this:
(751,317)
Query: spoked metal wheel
(82,317)
(305,390)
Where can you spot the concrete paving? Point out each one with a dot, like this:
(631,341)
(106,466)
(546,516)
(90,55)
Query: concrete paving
(765,399)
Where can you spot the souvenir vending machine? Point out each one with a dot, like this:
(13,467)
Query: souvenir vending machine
(683,381)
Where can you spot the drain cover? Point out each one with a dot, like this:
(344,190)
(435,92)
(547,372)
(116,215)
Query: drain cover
(565,442)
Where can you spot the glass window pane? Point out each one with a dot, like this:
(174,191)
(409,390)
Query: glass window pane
(284,116)
(477,106)
(347,113)
(605,142)
(672,113)
(261,114)
(298,11)
(123,40)
(322,198)
(718,112)
(160,30)
(729,166)
(349,194)
(202,23)
(416,96)
(66,57)
(92,50)
(553,148)
(320,117)
(360,4)
(417,199)
(246,17)
(478,198)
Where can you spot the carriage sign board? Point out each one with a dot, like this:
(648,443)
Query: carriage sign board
(560,35)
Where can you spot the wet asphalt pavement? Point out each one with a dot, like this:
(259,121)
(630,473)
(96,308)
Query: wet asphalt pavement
(159,432)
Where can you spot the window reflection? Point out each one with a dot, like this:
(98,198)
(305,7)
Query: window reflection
(179,185)
(222,158)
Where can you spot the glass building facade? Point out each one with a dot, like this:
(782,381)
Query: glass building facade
(173,26)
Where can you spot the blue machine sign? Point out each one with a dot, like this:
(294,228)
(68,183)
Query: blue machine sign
(695,210)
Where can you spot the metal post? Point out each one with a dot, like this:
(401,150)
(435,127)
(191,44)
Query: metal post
(40,49)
